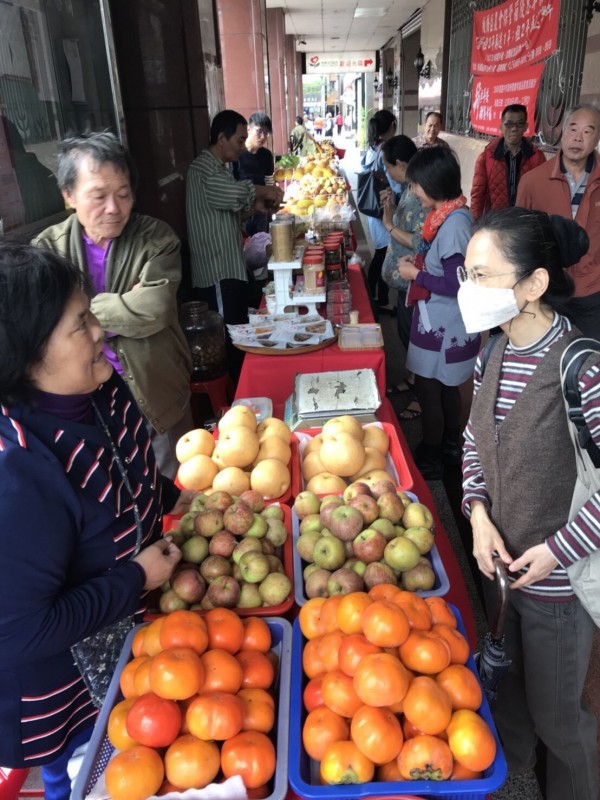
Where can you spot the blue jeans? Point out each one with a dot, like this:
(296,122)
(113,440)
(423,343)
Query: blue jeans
(57,784)
(540,697)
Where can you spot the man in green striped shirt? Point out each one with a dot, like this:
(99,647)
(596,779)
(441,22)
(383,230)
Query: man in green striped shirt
(216,204)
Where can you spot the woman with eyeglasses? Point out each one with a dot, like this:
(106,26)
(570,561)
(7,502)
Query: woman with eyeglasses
(518,479)
(440,352)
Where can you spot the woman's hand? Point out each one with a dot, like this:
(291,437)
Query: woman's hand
(158,561)
(540,562)
(486,540)
(182,506)
(406,268)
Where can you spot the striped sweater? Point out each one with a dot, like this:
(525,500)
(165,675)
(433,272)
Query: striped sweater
(68,530)
(579,537)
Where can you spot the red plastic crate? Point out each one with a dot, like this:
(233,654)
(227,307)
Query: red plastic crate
(395,455)
(286,553)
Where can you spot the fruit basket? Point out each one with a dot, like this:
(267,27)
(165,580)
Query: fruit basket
(440,587)
(285,553)
(396,462)
(99,750)
(304,774)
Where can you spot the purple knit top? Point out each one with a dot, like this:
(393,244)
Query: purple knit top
(74,407)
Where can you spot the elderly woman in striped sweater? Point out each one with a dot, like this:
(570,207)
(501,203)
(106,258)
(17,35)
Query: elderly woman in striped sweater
(519,474)
(79,487)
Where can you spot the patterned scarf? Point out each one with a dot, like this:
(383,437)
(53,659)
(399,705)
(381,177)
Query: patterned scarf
(433,222)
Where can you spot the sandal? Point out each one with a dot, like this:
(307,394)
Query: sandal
(404,386)
(411,413)
(399,388)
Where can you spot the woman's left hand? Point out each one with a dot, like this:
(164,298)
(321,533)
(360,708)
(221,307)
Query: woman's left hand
(182,506)
(406,268)
(540,563)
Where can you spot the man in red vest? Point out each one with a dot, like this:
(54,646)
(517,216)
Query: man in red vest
(500,166)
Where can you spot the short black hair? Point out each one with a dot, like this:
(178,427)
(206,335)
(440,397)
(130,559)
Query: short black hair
(225,122)
(437,114)
(379,124)
(437,171)
(530,240)
(514,108)
(398,148)
(261,120)
(103,147)
(35,287)
(299,120)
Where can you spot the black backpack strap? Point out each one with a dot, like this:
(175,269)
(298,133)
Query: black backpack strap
(572,361)
(486,351)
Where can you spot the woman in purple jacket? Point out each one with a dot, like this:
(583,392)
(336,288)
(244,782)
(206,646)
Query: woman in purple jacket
(78,480)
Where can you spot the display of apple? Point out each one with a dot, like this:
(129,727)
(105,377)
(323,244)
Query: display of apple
(370,531)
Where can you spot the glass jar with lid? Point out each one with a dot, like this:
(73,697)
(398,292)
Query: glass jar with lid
(205,332)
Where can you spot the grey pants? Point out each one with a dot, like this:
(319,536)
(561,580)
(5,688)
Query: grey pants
(163,444)
(550,646)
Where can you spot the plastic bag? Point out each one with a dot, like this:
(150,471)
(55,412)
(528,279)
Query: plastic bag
(255,251)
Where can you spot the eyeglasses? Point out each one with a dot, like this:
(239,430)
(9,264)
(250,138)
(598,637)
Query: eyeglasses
(472,274)
(510,124)
(261,132)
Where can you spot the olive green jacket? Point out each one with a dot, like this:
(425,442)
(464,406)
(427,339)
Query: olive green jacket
(139,309)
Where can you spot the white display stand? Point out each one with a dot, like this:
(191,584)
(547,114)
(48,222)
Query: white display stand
(284,296)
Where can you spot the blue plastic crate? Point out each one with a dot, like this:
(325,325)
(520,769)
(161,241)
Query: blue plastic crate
(100,750)
(303,772)
(440,587)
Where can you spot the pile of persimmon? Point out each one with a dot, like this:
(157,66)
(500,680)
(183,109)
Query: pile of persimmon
(197,706)
(389,696)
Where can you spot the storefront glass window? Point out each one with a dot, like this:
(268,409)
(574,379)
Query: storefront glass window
(54,80)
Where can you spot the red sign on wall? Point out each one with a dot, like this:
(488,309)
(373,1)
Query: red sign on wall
(491,93)
(514,34)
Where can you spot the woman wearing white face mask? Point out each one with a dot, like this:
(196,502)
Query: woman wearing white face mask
(518,478)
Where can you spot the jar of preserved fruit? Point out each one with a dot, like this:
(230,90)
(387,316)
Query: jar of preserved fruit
(205,332)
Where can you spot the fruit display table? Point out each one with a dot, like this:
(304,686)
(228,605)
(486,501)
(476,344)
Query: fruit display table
(277,371)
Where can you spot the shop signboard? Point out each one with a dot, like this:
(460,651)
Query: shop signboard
(358,61)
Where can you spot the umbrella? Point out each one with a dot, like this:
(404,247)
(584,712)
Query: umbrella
(491,660)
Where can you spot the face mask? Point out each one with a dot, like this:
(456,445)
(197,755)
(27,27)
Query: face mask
(483,308)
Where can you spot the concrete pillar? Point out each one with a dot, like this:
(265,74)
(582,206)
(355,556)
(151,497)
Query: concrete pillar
(291,81)
(277,78)
(243,37)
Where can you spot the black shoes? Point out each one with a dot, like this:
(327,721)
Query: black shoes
(430,462)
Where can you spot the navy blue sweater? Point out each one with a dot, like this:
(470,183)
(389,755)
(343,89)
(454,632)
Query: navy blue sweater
(67,532)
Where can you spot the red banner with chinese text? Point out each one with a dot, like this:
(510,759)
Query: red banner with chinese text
(513,35)
(491,93)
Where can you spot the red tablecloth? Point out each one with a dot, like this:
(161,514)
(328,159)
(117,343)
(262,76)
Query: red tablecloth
(277,372)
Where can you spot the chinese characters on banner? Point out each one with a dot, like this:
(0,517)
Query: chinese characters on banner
(512,35)
(507,40)
(492,93)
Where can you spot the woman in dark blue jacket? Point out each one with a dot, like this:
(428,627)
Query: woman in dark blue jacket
(78,484)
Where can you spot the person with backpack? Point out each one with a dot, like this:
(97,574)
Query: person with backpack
(519,476)
(500,166)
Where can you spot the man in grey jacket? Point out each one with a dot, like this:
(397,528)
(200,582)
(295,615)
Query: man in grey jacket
(134,266)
